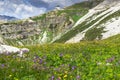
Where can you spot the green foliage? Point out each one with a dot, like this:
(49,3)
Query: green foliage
(114,15)
(94,33)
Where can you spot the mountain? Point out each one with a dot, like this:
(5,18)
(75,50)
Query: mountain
(22,9)
(7,18)
(85,21)
(100,22)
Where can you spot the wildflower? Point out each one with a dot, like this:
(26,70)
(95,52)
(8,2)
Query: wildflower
(24,50)
(52,77)
(40,61)
(65,76)
(110,60)
(61,55)
(66,72)
(2,65)
(36,56)
(78,77)
(73,67)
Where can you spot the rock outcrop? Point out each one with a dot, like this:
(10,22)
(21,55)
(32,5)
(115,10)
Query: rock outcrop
(7,50)
(31,31)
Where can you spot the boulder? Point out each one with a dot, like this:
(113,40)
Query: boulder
(6,49)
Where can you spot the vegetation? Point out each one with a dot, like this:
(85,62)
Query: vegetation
(114,15)
(94,33)
(95,60)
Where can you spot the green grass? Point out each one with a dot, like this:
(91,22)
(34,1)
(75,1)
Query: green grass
(95,60)
(94,33)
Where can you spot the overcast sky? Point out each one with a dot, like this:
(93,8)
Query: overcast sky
(28,8)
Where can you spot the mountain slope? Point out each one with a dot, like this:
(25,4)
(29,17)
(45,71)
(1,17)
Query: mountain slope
(88,20)
(42,28)
(96,24)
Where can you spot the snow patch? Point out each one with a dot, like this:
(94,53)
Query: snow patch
(112,28)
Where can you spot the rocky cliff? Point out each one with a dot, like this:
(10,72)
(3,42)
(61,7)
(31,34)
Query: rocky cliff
(45,28)
(32,30)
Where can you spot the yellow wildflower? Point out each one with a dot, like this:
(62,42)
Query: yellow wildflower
(65,76)
(66,72)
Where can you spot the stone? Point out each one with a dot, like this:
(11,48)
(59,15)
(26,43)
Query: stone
(6,49)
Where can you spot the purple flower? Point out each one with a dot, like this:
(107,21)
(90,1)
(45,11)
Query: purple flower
(34,60)
(109,60)
(40,61)
(52,77)
(61,55)
(2,65)
(78,77)
(24,50)
(73,67)
(36,56)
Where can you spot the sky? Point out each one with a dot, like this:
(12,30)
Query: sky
(27,8)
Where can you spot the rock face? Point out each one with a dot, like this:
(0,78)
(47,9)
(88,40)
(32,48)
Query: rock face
(31,31)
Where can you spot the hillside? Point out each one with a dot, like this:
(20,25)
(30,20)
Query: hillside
(44,28)
(100,22)
(85,21)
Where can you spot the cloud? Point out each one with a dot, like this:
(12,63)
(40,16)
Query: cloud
(27,8)
(24,11)
(21,10)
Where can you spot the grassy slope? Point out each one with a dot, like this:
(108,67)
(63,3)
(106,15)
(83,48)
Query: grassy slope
(95,60)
